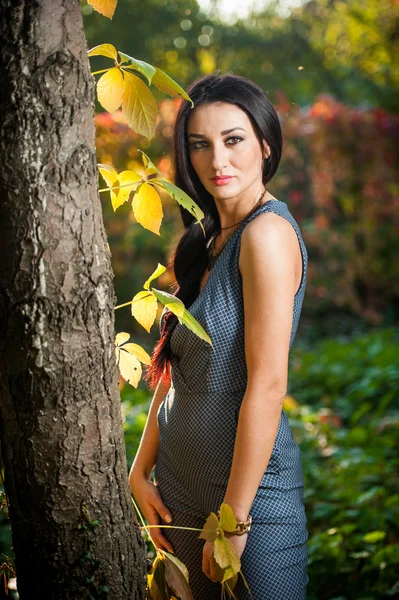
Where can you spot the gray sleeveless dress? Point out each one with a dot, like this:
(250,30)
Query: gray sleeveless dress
(197,422)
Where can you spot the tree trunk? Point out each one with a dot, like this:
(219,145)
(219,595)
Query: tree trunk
(74,531)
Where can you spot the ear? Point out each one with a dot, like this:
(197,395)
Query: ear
(266,149)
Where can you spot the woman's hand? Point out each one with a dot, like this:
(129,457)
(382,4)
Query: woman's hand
(150,502)
(209,565)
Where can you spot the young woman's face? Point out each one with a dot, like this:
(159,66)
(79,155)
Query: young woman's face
(222,142)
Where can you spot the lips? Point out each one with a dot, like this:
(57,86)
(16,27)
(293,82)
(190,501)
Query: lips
(223,179)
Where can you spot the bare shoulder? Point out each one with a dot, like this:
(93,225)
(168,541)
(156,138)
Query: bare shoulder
(268,235)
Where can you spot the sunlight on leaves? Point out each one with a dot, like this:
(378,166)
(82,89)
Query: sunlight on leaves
(104,7)
(107,50)
(147,208)
(158,271)
(128,357)
(149,166)
(138,65)
(139,106)
(110,88)
(144,309)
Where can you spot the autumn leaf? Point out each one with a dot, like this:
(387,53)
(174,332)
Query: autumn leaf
(110,176)
(128,357)
(107,50)
(125,178)
(104,7)
(209,530)
(147,208)
(139,106)
(227,519)
(144,309)
(226,556)
(149,166)
(110,89)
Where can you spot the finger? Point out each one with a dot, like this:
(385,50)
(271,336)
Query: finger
(162,510)
(206,567)
(157,535)
(212,569)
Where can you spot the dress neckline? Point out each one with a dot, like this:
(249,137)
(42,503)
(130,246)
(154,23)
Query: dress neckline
(226,246)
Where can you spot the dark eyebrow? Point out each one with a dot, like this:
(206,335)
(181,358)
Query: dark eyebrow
(200,135)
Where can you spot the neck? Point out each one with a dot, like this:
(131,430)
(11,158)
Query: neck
(232,212)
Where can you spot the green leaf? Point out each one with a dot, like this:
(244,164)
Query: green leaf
(138,65)
(177,307)
(182,198)
(166,84)
(172,302)
(158,271)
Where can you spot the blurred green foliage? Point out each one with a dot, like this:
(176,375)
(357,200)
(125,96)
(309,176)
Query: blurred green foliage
(348,49)
(347,425)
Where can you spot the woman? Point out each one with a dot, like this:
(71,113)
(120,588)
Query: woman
(216,431)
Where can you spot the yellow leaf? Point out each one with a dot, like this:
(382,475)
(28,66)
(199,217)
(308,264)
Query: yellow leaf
(129,367)
(149,166)
(209,529)
(228,521)
(147,208)
(110,88)
(226,555)
(104,7)
(138,352)
(144,309)
(126,177)
(107,50)
(139,106)
(110,177)
(121,338)
(158,271)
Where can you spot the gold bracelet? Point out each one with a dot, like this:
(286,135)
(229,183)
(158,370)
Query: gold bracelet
(242,526)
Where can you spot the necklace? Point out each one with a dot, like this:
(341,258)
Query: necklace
(212,253)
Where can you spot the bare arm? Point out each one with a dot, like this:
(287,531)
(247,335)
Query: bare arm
(146,455)
(271,266)
(145,491)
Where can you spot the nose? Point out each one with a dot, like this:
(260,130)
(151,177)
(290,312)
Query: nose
(219,157)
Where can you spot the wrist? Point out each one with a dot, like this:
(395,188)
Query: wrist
(242,527)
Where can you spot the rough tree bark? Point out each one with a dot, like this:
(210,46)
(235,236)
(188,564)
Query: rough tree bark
(61,429)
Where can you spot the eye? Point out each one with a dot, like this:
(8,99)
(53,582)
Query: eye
(197,145)
(235,137)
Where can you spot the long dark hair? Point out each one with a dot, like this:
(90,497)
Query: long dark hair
(190,257)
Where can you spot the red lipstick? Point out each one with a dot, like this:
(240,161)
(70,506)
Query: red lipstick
(223,180)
